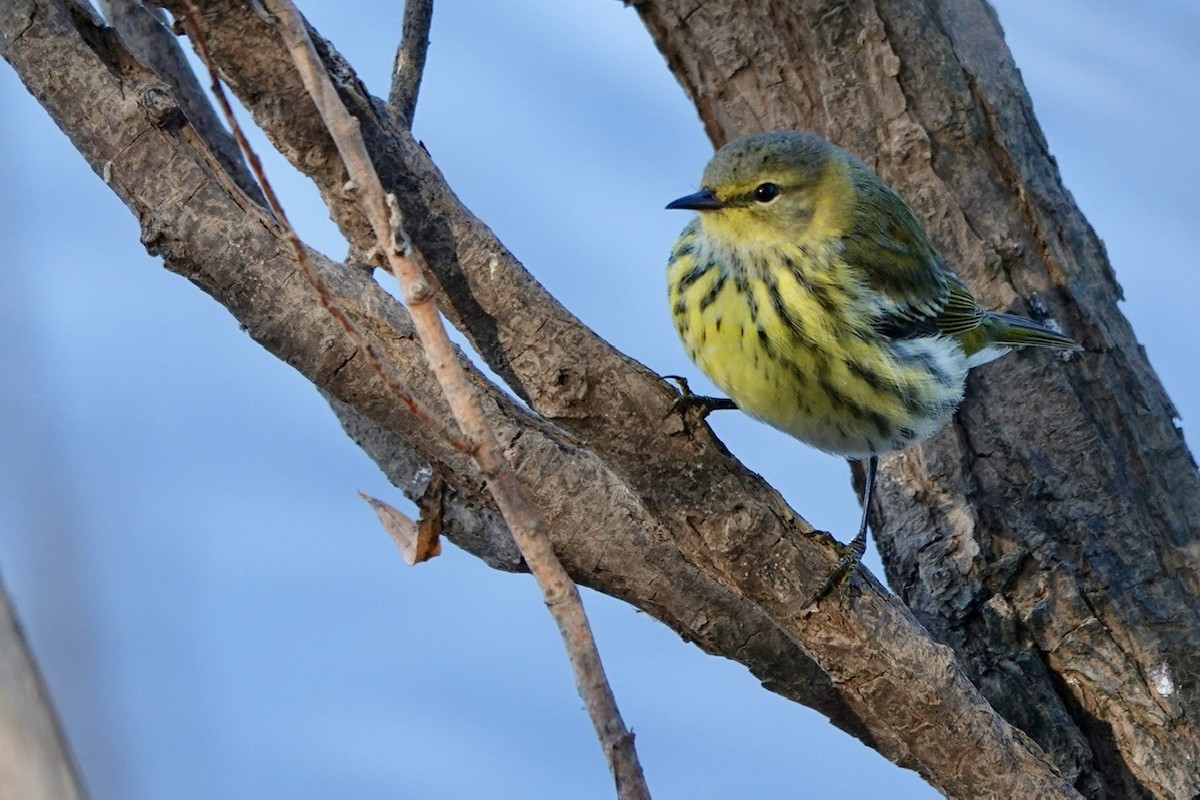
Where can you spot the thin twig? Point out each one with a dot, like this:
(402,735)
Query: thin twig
(560,594)
(149,38)
(409,65)
(196,32)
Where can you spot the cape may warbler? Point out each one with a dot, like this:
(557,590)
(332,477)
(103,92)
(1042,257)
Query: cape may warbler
(808,291)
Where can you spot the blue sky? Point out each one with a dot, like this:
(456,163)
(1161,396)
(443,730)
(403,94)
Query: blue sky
(219,615)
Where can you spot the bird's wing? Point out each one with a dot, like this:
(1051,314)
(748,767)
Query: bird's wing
(887,247)
(960,313)
(950,312)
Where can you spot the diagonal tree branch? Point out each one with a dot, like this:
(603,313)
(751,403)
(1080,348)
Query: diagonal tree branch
(208,232)
(1049,534)
(210,235)
(409,65)
(559,592)
(738,540)
(686,502)
(144,31)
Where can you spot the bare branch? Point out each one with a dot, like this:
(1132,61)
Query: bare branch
(145,32)
(409,65)
(668,503)
(1049,532)
(477,528)
(729,521)
(560,593)
(237,255)
(314,277)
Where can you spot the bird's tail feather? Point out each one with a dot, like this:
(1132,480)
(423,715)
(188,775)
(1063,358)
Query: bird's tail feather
(1009,329)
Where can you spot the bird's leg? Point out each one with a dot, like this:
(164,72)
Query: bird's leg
(853,552)
(693,407)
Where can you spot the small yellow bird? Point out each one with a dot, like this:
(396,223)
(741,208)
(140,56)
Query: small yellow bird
(809,292)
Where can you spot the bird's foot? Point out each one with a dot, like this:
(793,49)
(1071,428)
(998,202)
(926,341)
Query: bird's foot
(694,408)
(839,579)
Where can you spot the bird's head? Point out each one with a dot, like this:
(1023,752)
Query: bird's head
(782,186)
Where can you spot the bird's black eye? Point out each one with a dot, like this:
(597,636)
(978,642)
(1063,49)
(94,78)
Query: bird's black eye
(766,192)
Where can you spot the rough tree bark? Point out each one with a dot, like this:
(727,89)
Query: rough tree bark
(1065,620)
(1049,534)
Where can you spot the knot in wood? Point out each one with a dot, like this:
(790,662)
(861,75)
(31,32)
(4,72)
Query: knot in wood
(160,106)
(739,521)
(419,292)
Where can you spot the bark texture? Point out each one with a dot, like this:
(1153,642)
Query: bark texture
(669,521)
(1050,534)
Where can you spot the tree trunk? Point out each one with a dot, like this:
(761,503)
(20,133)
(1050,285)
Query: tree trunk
(1045,534)
(669,521)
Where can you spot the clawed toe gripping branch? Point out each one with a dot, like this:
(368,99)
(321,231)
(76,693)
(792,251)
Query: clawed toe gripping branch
(694,408)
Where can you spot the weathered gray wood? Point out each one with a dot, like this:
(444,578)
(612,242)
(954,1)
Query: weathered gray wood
(670,522)
(1050,534)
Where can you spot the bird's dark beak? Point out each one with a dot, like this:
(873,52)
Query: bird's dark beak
(703,200)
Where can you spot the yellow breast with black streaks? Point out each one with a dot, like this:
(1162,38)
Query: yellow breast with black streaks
(785,333)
